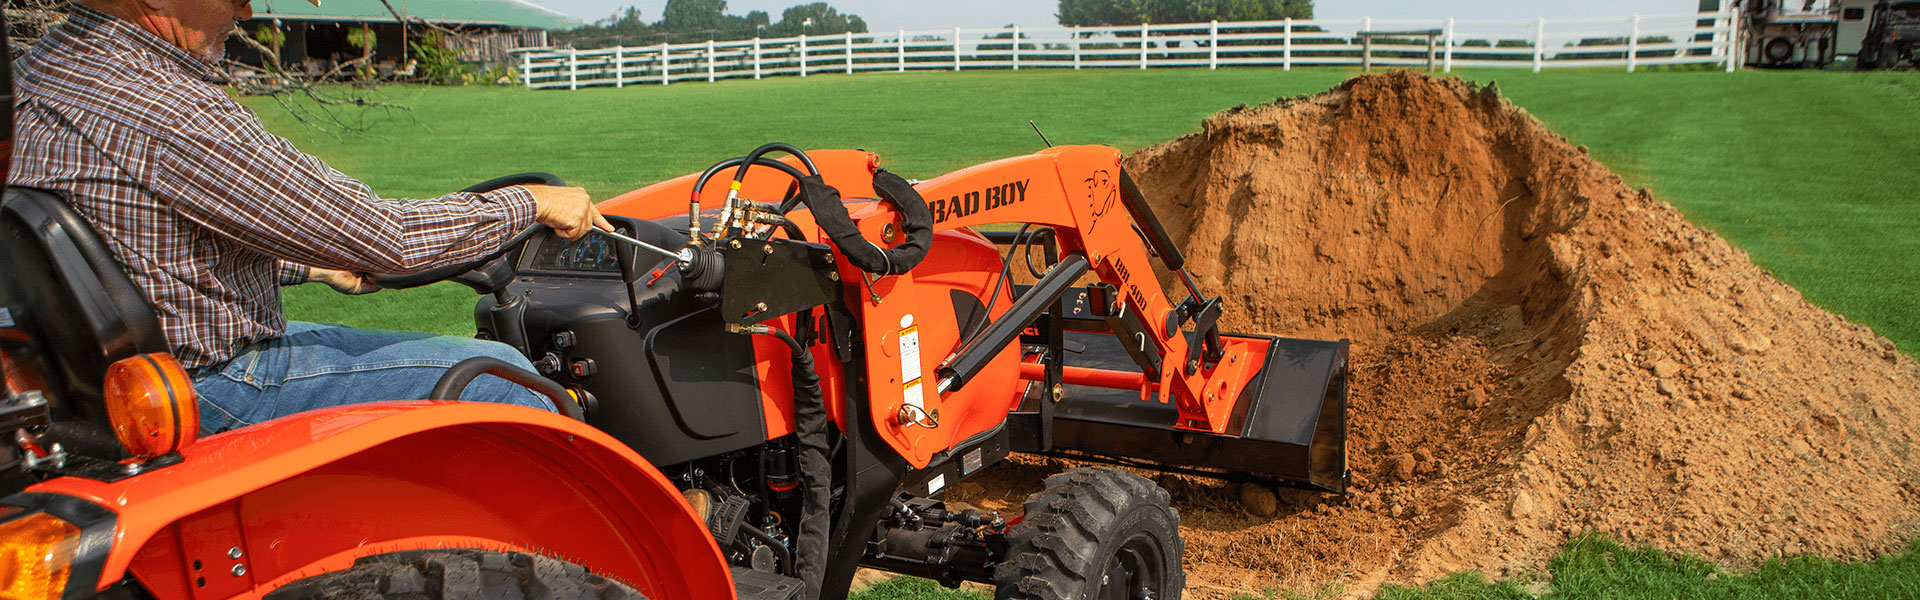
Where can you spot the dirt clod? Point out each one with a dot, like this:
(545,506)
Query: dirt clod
(1259,500)
(1567,353)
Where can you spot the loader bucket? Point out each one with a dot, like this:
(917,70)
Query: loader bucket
(1288,428)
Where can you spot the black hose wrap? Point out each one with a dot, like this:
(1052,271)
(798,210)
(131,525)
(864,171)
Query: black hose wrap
(829,211)
(810,425)
(707,272)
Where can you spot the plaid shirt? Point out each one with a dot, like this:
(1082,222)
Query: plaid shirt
(207,211)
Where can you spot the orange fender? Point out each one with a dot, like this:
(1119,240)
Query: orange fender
(253,509)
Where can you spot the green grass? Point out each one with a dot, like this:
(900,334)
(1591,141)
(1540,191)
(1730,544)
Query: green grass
(915,588)
(1593,567)
(1597,568)
(1809,172)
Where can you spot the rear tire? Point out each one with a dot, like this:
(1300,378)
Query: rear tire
(1102,534)
(457,574)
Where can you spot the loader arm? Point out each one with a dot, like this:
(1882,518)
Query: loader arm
(1083,194)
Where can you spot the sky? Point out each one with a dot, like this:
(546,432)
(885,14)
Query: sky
(887,15)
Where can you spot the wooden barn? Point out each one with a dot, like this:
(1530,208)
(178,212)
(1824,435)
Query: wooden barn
(317,38)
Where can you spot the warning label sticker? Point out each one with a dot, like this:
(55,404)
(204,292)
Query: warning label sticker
(910,354)
(910,369)
(913,396)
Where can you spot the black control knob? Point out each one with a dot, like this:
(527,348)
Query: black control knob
(548,364)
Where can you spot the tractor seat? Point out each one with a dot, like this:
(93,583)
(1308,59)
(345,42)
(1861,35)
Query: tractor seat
(67,309)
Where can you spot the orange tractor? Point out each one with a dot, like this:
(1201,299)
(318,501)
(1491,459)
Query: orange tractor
(758,398)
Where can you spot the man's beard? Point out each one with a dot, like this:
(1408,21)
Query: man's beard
(216,49)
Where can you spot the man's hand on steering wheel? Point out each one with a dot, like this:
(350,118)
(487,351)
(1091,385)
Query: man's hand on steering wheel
(345,282)
(567,210)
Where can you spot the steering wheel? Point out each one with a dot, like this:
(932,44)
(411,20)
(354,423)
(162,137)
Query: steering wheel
(487,273)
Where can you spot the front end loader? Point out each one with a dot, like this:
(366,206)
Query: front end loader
(768,377)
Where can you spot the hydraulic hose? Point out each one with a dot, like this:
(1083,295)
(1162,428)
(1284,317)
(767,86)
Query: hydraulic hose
(693,204)
(810,423)
(741,175)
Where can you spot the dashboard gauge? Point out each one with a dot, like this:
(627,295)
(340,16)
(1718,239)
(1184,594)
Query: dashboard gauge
(590,255)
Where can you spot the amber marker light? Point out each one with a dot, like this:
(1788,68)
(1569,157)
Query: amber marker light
(36,556)
(151,404)
(19,379)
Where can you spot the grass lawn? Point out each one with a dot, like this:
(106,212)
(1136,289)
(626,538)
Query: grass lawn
(1597,568)
(1809,172)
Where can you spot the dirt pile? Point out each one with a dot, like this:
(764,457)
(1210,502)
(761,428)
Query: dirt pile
(1539,351)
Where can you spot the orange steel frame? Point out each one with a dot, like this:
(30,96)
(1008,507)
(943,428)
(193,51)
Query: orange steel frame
(253,509)
(310,493)
(1073,189)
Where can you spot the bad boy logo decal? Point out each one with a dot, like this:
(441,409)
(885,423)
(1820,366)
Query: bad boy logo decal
(976,201)
(1101,194)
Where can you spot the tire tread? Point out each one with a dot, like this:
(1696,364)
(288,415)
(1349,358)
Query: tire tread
(1052,551)
(457,574)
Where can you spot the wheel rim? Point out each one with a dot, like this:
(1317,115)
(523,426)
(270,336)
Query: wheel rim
(1134,571)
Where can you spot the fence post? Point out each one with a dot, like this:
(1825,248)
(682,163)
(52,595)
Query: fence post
(1727,11)
(665,62)
(526,68)
(573,69)
(1016,47)
(849,53)
(903,51)
(803,55)
(1447,62)
(1633,44)
(619,66)
(1213,45)
(1539,43)
(1366,44)
(756,58)
(956,49)
(1286,46)
(1076,47)
(1366,52)
(1734,47)
(709,61)
(1143,46)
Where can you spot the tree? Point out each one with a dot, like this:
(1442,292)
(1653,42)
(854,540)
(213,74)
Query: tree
(1134,12)
(700,20)
(693,15)
(817,18)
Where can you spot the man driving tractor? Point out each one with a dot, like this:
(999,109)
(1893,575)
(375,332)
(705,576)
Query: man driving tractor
(209,214)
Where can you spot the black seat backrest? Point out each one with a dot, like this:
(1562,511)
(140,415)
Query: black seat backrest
(67,309)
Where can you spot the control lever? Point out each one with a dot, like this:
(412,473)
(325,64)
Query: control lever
(682,256)
(629,270)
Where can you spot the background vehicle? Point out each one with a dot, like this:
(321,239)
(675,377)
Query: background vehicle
(1876,34)
(778,394)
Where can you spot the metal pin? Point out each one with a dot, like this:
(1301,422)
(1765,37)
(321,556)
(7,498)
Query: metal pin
(234,553)
(239,570)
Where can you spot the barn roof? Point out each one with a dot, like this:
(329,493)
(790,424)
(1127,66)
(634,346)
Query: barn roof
(511,13)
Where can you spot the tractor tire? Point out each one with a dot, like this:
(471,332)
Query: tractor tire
(1094,534)
(456,575)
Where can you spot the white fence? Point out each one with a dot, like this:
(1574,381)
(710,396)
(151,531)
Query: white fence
(1626,42)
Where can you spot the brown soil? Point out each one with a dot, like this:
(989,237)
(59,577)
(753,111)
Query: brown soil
(1539,351)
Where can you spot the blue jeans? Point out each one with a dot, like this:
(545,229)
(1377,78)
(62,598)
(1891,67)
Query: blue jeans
(317,366)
